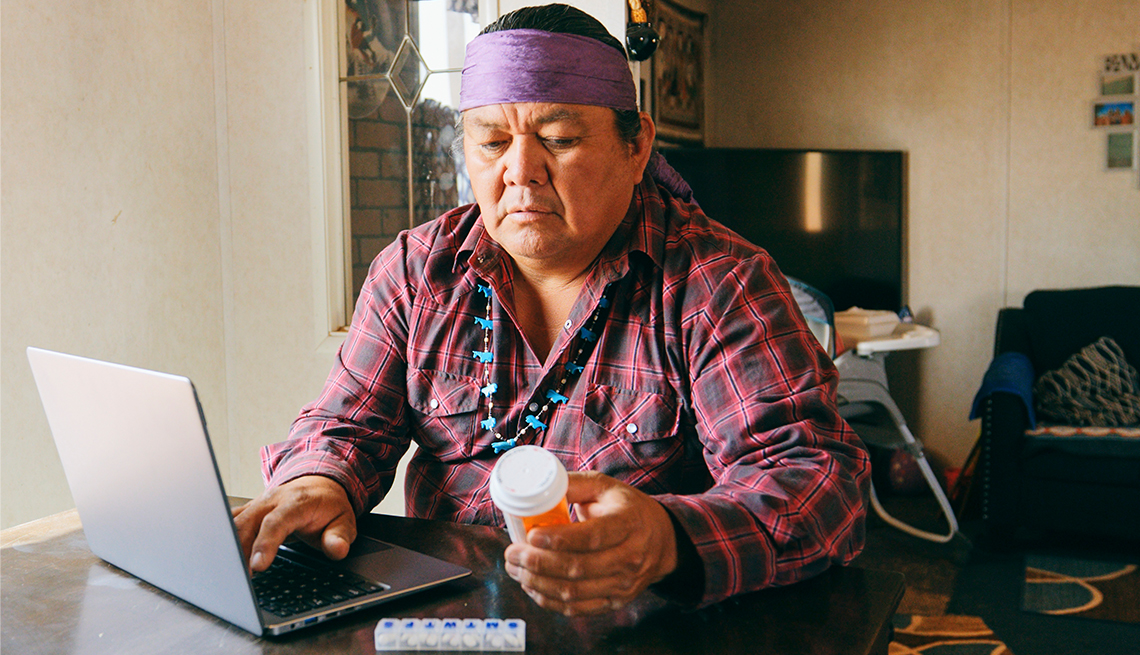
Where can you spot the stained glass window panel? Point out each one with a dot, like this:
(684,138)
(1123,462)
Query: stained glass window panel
(400,89)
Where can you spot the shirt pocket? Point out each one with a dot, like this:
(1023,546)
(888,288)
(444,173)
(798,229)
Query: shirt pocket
(445,412)
(632,435)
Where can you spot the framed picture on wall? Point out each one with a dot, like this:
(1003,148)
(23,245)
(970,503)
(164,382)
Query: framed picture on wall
(1117,84)
(1114,112)
(678,74)
(1120,154)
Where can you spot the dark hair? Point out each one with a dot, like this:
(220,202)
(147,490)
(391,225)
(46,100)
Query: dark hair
(557,18)
(564,19)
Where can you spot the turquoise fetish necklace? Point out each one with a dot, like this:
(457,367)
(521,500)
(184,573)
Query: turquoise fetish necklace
(584,344)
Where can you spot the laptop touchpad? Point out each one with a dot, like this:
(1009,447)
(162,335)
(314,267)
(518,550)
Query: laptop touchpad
(366,546)
(361,547)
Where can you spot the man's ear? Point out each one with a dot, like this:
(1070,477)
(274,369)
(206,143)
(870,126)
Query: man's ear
(642,146)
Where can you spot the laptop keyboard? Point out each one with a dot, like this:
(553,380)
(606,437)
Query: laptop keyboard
(287,588)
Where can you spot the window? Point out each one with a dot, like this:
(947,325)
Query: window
(383,90)
(399,89)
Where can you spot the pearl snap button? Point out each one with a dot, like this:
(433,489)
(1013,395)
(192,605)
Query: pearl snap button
(533,407)
(631,428)
(568,324)
(433,403)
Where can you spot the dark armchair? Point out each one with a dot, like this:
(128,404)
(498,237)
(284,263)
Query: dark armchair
(1064,478)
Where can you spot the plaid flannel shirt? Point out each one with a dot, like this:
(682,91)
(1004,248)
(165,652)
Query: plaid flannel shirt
(705,389)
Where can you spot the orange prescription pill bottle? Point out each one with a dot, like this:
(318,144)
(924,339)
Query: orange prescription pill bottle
(528,484)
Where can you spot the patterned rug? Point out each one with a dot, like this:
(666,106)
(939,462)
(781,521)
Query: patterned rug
(1064,586)
(944,635)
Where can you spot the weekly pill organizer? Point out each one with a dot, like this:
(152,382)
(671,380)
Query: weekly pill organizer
(472,635)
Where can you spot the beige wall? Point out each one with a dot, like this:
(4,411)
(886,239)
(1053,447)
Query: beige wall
(156,199)
(272,360)
(109,208)
(991,101)
(1070,222)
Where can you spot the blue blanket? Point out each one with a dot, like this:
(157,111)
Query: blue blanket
(1010,372)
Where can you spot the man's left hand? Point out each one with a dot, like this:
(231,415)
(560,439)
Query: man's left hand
(623,542)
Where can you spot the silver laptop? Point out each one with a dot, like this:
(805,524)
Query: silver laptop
(142,472)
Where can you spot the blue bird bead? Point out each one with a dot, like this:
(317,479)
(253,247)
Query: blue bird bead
(500,446)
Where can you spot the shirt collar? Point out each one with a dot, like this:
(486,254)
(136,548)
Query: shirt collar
(642,230)
(478,251)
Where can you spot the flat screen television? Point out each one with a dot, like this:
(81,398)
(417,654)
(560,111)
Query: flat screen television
(835,219)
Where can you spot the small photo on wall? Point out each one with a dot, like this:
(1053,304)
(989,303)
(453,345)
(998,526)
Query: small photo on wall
(1114,113)
(1121,151)
(1118,84)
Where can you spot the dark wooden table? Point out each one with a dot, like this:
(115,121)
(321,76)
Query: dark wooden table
(59,598)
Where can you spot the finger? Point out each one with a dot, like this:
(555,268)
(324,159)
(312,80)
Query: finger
(620,578)
(597,534)
(274,530)
(565,590)
(247,521)
(338,536)
(587,486)
(575,608)
(624,559)
(624,542)
(306,507)
(333,536)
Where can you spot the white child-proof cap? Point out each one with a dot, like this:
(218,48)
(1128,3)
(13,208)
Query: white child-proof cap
(527,481)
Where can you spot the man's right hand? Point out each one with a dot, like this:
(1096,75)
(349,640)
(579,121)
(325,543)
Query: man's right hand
(313,507)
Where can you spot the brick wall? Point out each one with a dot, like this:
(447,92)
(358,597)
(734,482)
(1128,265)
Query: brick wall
(378,175)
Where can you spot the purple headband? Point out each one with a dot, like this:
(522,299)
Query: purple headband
(539,66)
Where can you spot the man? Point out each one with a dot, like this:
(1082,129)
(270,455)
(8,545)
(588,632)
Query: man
(583,305)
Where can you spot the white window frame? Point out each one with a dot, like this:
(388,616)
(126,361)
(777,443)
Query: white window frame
(327,122)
